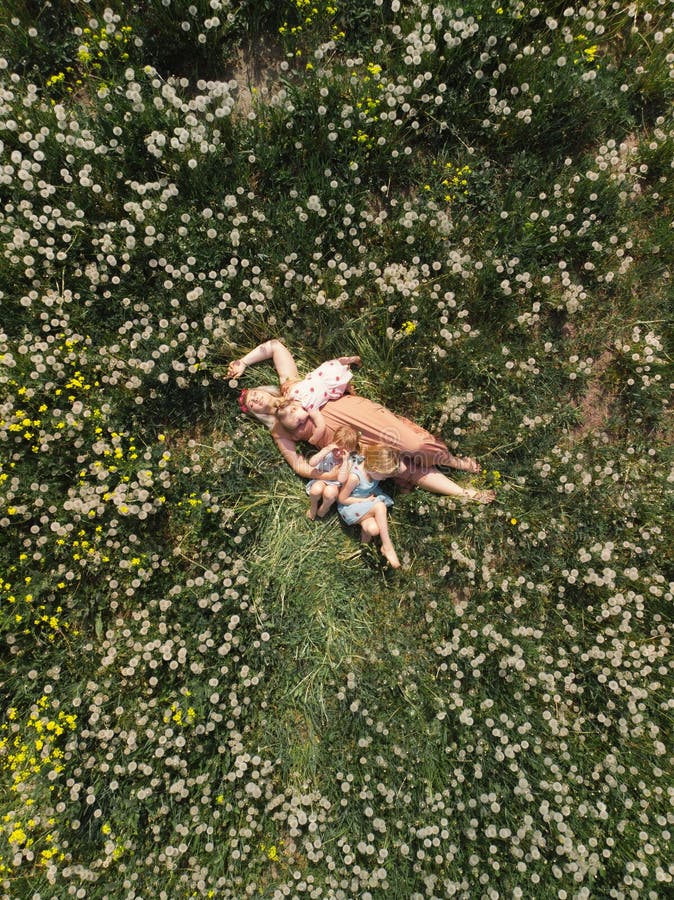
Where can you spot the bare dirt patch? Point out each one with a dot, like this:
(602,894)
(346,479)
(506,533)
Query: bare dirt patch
(257,73)
(595,405)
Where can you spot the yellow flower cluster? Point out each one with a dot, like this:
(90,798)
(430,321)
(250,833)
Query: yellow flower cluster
(27,752)
(453,184)
(179,717)
(34,422)
(369,105)
(25,611)
(98,48)
(272,852)
(587,54)
(314,17)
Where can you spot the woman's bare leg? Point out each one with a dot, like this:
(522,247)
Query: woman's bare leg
(463,463)
(438,483)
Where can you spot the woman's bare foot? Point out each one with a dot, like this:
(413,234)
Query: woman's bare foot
(480,496)
(465,464)
(391,555)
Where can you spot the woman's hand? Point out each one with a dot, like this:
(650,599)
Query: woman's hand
(236,368)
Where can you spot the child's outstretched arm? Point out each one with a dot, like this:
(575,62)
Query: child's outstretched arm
(276,351)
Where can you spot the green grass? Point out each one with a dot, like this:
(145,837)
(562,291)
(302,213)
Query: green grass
(206,694)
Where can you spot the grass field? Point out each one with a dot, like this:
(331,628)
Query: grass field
(205,694)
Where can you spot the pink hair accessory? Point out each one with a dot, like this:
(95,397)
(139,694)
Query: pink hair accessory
(242,401)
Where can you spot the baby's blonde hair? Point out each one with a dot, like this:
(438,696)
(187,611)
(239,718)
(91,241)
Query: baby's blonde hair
(283,405)
(382,459)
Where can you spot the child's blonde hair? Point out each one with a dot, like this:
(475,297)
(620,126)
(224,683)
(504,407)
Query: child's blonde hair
(381,459)
(346,438)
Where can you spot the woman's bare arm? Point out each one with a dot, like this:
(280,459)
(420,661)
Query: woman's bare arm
(320,456)
(276,351)
(296,461)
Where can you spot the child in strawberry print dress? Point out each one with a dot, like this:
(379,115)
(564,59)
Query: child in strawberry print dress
(328,382)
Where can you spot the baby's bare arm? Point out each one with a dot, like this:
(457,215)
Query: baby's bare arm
(320,426)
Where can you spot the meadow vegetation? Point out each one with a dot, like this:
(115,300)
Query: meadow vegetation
(203,693)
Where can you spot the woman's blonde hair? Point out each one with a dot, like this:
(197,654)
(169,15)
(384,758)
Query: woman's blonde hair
(381,459)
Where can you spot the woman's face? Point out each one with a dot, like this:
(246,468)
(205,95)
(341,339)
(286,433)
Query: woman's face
(259,401)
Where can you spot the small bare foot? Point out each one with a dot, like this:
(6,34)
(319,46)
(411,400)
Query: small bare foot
(311,514)
(391,556)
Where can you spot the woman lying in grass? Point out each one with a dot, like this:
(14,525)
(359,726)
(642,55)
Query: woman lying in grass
(420,451)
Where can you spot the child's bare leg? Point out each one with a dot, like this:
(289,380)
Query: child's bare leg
(381,518)
(368,530)
(316,494)
(330,492)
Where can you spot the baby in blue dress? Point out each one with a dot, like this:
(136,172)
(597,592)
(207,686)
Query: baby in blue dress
(360,502)
(337,455)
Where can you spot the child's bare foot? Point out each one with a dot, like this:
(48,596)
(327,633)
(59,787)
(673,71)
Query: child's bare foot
(350,360)
(391,555)
(311,514)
